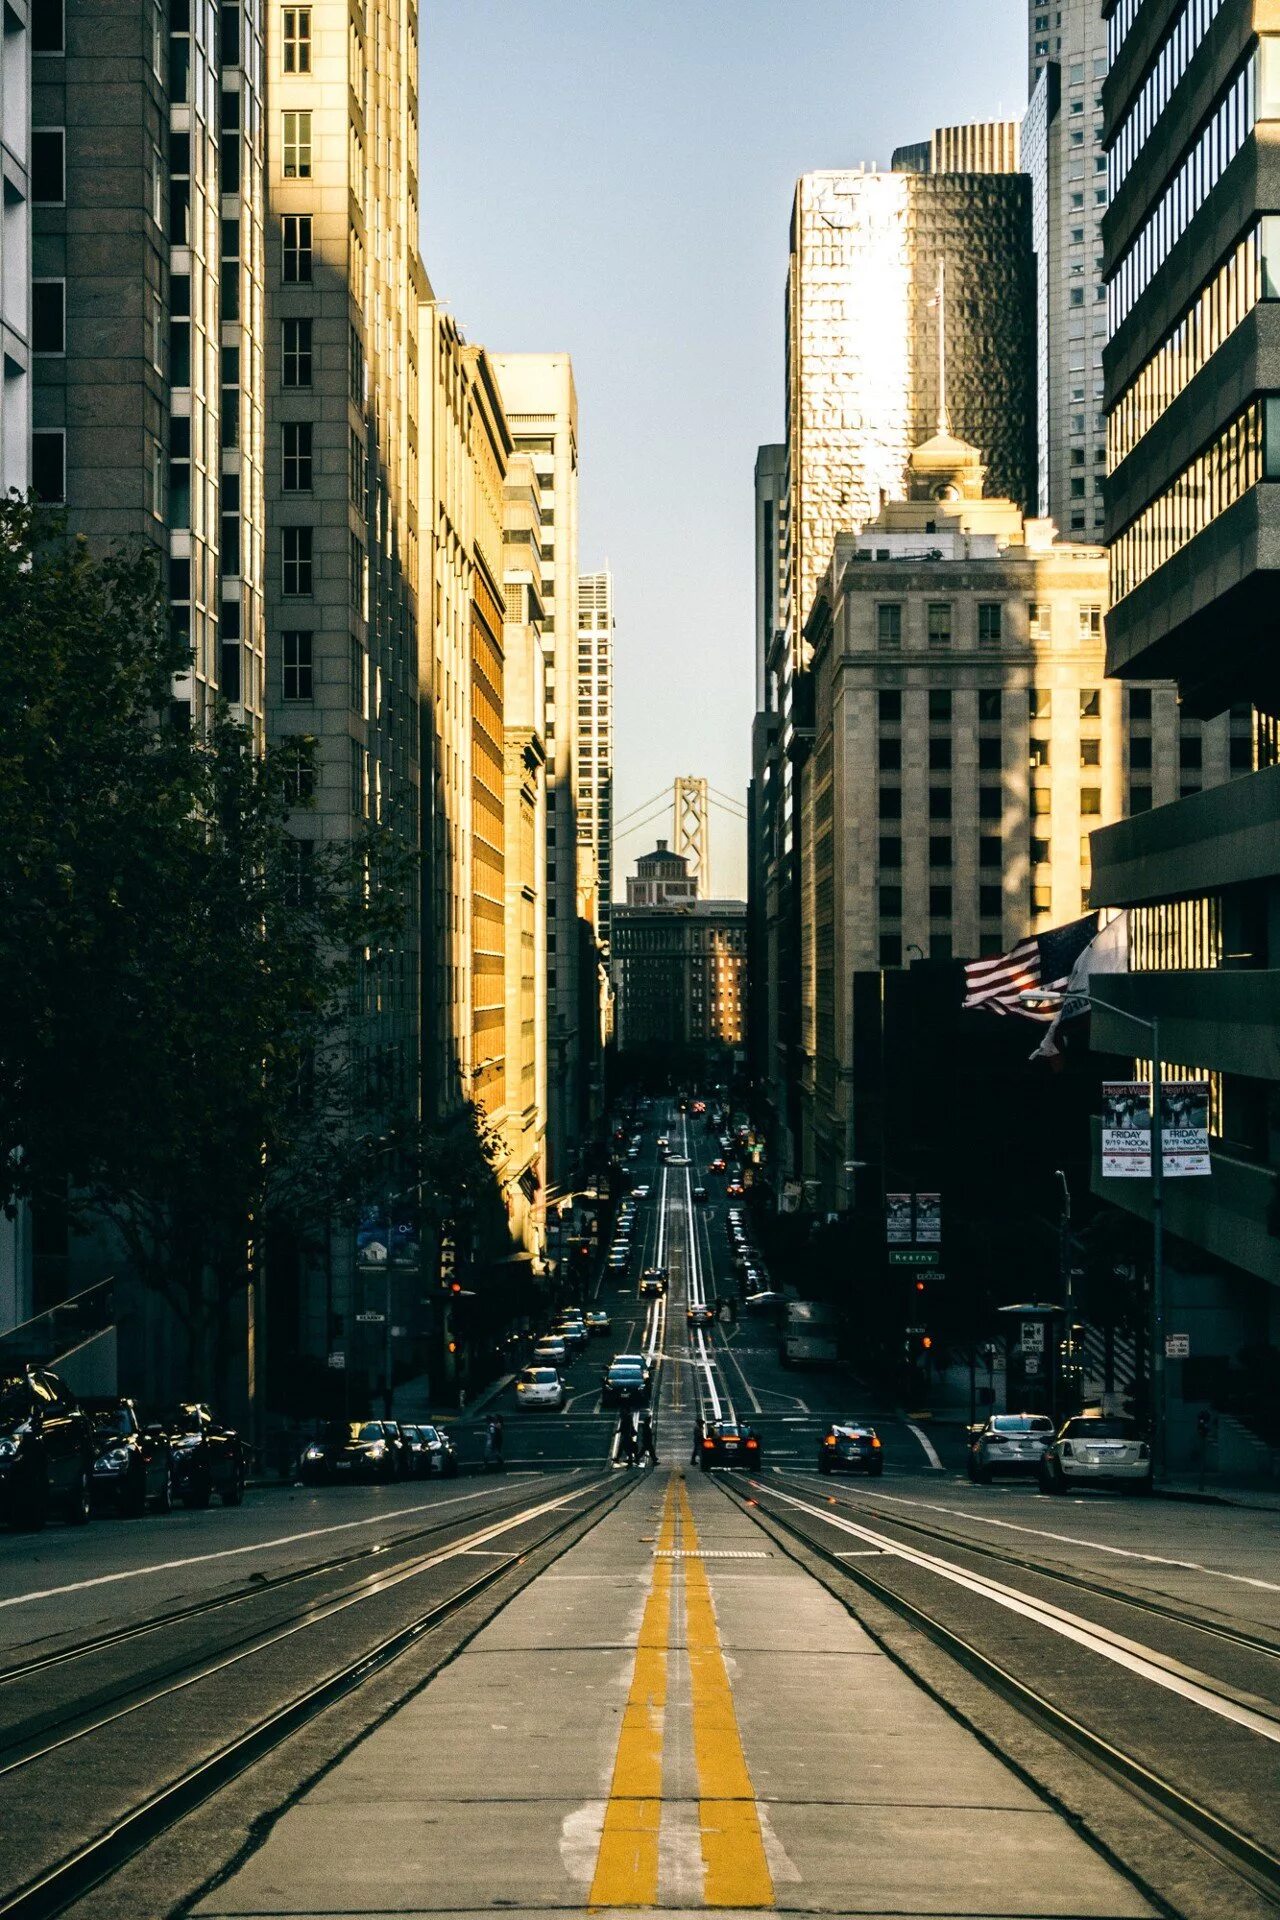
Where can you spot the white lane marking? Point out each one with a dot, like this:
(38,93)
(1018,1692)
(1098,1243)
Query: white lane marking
(1130,1654)
(229,1553)
(927,1444)
(1074,1540)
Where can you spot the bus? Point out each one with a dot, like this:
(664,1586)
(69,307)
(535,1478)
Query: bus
(809,1335)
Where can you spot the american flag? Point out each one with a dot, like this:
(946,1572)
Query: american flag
(1044,961)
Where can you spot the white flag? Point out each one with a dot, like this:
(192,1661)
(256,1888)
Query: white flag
(1107,952)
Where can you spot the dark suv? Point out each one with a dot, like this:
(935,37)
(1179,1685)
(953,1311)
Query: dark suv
(46,1450)
(207,1458)
(132,1468)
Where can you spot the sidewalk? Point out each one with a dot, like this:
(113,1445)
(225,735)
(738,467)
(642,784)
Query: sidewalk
(675,1718)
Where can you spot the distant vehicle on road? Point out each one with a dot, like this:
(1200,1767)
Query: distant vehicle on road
(808,1336)
(207,1457)
(442,1455)
(699,1314)
(551,1351)
(597,1321)
(653,1283)
(850,1446)
(734,1189)
(349,1450)
(726,1444)
(1009,1443)
(540,1387)
(46,1450)
(624,1385)
(640,1193)
(132,1469)
(1105,1449)
(765,1302)
(677,1160)
(700,1196)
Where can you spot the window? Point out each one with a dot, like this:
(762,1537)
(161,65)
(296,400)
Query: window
(990,623)
(297,665)
(1139,703)
(891,803)
(1191,751)
(1041,703)
(890,755)
(939,705)
(1139,799)
(939,623)
(1040,802)
(989,705)
(295,453)
(1038,752)
(297,146)
(939,903)
(1089,620)
(1241,753)
(296,249)
(939,803)
(890,851)
(295,353)
(1091,800)
(1042,899)
(1091,753)
(890,949)
(940,754)
(890,707)
(1040,853)
(1090,703)
(991,753)
(891,903)
(298,763)
(990,850)
(889,625)
(179,482)
(990,803)
(940,850)
(296,561)
(47,31)
(229,35)
(49,465)
(48,166)
(48,316)
(990,903)
(297,40)
(1140,750)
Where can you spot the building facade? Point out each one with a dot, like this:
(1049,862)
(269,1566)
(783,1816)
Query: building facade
(1064,153)
(662,878)
(595,740)
(1192,106)
(680,973)
(542,410)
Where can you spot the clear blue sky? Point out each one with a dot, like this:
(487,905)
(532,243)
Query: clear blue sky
(614,178)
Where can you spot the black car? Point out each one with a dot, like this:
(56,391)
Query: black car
(624,1386)
(415,1453)
(442,1455)
(207,1457)
(132,1468)
(653,1283)
(351,1450)
(850,1446)
(46,1450)
(726,1444)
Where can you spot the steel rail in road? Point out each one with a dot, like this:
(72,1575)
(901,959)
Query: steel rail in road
(55,1887)
(1250,1857)
(1233,1636)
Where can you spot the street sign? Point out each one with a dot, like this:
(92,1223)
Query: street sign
(1033,1336)
(337,1360)
(1177,1346)
(914,1256)
(371,1319)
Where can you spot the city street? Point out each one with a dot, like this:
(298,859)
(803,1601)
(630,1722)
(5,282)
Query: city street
(752,1690)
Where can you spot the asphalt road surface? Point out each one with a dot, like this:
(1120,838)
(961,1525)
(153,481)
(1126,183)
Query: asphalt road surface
(577,1686)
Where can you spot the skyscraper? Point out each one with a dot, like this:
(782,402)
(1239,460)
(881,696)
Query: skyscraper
(1064,153)
(595,737)
(542,410)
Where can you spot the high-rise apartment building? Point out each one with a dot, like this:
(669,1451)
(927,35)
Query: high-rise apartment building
(147,308)
(595,738)
(342,411)
(1064,153)
(542,410)
(1192,265)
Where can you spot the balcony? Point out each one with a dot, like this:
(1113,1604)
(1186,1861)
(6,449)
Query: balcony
(1226,1213)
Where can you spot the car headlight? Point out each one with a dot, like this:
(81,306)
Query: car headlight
(115,1460)
(377,1450)
(314,1453)
(8,1448)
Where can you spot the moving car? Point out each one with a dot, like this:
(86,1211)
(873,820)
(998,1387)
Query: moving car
(677,1160)
(726,1444)
(1105,1449)
(640,1193)
(442,1455)
(46,1450)
(132,1469)
(734,1189)
(809,1333)
(597,1321)
(551,1351)
(624,1385)
(653,1283)
(700,1196)
(207,1457)
(717,1165)
(572,1332)
(540,1387)
(767,1301)
(347,1450)
(700,1314)
(850,1446)
(1009,1443)
(640,1360)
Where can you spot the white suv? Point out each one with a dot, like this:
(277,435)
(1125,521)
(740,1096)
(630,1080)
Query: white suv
(540,1387)
(1105,1448)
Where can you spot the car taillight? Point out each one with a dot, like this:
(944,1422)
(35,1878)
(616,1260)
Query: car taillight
(875,1439)
(709,1445)
(830,1440)
(751,1444)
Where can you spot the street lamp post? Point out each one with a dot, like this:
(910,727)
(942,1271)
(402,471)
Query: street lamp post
(1045,1001)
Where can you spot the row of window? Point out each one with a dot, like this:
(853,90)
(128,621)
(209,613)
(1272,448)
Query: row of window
(940,623)
(991,753)
(990,852)
(991,802)
(1214,480)
(1253,93)
(1249,274)
(1172,61)
(992,709)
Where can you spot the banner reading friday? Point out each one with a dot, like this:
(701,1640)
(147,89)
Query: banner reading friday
(1126,1129)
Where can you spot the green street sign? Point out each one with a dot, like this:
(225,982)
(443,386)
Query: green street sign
(914,1256)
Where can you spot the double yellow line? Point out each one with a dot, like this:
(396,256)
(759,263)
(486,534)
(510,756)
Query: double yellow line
(736,1872)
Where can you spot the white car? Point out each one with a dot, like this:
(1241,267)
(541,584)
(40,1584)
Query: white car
(677,1159)
(551,1352)
(540,1387)
(1099,1448)
(640,1193)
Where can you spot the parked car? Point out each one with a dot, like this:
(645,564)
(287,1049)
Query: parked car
(726,1444)
(132,1469)
(624,1385)
(414,1463)
(442,1455)
(540,1387)
(850,1446)
(350,1450)
(207,1457)
(640,1193)
(597,1321)
(572,1332)
(551,1351)
(767,1301)
(1100,1448)
(46,1450)
(1009,1443)
(653,1283)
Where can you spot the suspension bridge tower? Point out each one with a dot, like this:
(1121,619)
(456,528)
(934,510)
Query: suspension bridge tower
(692,836)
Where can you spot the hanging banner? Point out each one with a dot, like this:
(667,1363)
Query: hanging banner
(928,1219)
(1126,1129)
(373,1238)
(1184,1128)
(897,1219)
